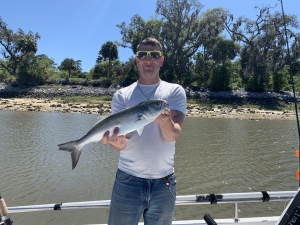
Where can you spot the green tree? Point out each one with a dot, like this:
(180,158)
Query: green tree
(130,72)
(185,30)
(3,73)
(35,69)
(224,50)
(180,28)
(220,78)
(70,65)
(202,67)
(137,30)
(16,46)
(263,39)
(280,79)
(100,70)
(295,56)
(211,27)
(108,51)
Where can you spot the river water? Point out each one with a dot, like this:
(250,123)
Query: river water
(212,156)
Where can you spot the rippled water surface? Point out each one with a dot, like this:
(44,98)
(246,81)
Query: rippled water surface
(212,156)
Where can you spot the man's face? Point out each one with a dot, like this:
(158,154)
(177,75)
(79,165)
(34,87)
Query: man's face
(149,67)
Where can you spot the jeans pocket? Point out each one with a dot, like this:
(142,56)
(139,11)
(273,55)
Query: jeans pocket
(170,182)
(122,176)
(172,179)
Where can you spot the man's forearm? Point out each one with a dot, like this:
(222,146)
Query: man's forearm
(170,130)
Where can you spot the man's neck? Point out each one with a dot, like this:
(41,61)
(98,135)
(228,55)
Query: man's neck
(148,81)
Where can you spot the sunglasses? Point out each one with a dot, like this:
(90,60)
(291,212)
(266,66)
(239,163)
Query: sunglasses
(153,54)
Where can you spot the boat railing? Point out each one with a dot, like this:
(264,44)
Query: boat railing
(263,196)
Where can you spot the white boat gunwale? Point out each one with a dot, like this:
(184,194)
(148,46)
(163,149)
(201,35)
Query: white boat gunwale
(180,200)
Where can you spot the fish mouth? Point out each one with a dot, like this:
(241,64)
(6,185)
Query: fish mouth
(165,104)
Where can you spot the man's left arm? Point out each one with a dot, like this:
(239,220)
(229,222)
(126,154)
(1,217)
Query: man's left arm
(170,122)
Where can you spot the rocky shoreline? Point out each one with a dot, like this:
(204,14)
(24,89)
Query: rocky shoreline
(7,91)
(42,100)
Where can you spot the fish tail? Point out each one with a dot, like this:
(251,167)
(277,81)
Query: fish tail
(75,150)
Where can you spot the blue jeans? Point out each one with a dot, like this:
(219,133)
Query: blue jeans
(133,197)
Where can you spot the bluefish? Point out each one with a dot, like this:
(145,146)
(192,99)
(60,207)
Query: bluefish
(128,120)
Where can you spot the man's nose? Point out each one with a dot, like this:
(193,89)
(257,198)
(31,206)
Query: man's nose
(148,58)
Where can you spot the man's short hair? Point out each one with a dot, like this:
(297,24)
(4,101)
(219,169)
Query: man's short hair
(150,41)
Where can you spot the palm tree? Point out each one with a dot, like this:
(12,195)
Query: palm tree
(69,64)
(109,51)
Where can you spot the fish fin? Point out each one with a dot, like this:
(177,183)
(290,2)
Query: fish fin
(75,157)
(75,150)
(129,135)
(140,130)
(140,117)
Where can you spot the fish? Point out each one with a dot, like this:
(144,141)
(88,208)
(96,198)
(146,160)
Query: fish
(128,120)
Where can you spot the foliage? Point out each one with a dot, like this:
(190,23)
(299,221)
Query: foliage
(263,50)
(109,51)
(167,72)
(137,30)
(102,70)
(224,50)
(63,74)
(130,72)
(181,30)
(212,26)
(236,80)
(185,30)
(70,65)
(180,27)
(203,67)
(16,46)
(3,73)
(220,78)
(35,70)
(219,53)
(195,50)
(280,79)
(84,75)
(297,83)
(254,84)
(199,80)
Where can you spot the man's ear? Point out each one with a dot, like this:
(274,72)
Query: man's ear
(162,59)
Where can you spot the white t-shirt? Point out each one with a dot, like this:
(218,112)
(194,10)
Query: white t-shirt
(149,156)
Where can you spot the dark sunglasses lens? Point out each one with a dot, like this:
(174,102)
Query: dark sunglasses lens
(142,55)
(154,55)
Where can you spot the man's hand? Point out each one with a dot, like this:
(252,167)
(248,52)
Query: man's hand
(170,123)
(117,142)
(164,117)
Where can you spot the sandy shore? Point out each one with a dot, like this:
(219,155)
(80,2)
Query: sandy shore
(48,105)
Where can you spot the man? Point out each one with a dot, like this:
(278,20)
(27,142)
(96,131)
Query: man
(145,182)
